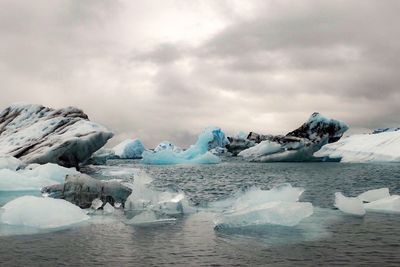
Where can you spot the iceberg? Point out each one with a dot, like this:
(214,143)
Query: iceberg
(379,147)
(375,194)
(198,153)
(148,217)
(389,204)
(349,205)
(298,145)
(33,177)
(37,134)
(129,149)
(41,212)
(278,206)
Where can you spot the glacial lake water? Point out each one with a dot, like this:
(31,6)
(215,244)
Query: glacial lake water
(327,238)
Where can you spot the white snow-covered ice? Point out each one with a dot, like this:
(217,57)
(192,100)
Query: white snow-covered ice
(41,212)
(9,162)
(380,147)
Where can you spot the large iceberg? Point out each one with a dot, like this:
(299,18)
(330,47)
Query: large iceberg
(198,153)
(37,134)
(379,147)
(41,212)
(129,149)
(298,145)
(33,177)
(278,206)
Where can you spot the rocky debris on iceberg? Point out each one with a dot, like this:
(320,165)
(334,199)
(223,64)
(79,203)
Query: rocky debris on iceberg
(278,206)
(298,145)
(198,153)
(81,190)
(378,147)
(239,142)
(33,176)
(376,200)
(41,212)
(385,130)
(37,134)
(129,149)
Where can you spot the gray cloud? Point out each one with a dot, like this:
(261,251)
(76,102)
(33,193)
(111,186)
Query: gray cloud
(167,70)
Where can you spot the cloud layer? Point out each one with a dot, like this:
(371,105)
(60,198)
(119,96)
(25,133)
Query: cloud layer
(166,69)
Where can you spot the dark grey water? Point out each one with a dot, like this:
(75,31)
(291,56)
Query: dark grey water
(327,238)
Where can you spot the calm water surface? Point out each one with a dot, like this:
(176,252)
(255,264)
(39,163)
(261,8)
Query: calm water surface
(327,238)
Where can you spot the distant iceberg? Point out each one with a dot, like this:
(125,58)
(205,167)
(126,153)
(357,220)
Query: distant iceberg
(198,153)
(41,212)
(379,147)
(167,145)
(298,145)
(129,149)
(278,206)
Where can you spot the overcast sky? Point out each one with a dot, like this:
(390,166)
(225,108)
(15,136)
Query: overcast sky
(159,70)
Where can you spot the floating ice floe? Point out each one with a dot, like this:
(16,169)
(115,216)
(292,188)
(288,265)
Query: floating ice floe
(33,177)
(298,145)
(278,206)
(197,153)
(129,149)
(375,194)
(379,147)
(41,212)
(378,200)
(349,205)
(389,204)
(148,217)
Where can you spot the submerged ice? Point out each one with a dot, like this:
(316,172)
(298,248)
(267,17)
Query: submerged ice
(198,153)
(278,206)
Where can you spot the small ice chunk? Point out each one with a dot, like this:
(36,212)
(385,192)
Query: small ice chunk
(275,212)
(117,205)
(9,162)
(108,208)
(41,212)
(375,194)
(96,203)
(389,204)
(350,205)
